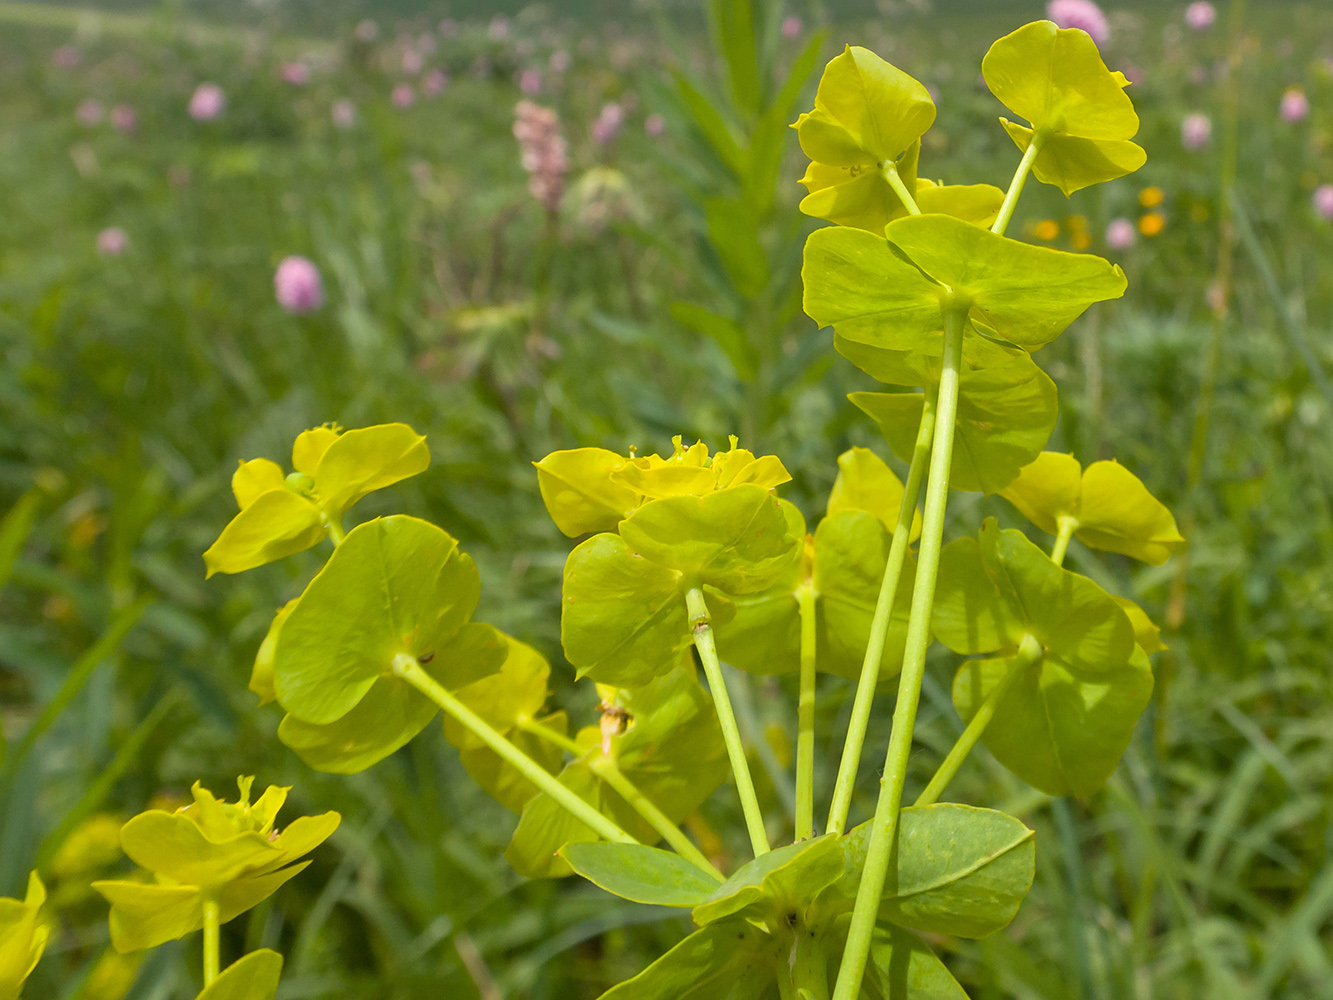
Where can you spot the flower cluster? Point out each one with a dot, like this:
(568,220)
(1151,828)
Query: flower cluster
(545,152)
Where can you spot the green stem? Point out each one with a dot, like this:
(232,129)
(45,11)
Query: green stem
(890,172)
(408,669)
(1016,186)
(1029,652)
(212,926)
(607,768)
(805,716)
(1067,526)
(697,609)
(334,530)
(608,771)
(879,625)
(884,827)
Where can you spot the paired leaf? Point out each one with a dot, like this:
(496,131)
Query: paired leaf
(978,204)
(640,874)
(1004,418)
(254,977)
(1113,509)
(728,960)
(1080,115)
(1066,719)
(868,115)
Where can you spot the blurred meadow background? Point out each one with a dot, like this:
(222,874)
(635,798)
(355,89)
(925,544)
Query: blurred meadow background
(160,164)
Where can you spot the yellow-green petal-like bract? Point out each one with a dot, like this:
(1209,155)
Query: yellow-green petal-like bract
(1080,116)
(254,977)
(22,938)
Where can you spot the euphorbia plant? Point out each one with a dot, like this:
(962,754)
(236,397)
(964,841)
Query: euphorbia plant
(693,562)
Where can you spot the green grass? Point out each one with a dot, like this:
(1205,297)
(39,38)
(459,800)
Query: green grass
(130,386)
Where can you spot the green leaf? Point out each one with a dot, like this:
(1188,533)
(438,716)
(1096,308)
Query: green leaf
(515,692)
(865,482)
(788,878)
(254,977)
(1027,295)
(961,870)
(341,637)
(866,112)
(851,551)
(1112,507)
(622,618)
(728,960)
(1056,79)
(733,229)
(858,196)
(1061,730)
(1005,417)
(504,782)
(14,531)
(902,967)
(1067,718)
(545,827)
(392,712)
(978,204)
(919,363)
(641,874)
(735,539)
(712,126)
(732,24)
(726,333)
(579,493)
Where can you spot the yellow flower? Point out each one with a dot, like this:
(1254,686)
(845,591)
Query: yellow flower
(593,489)
(22,938)
(208,851)
(1046,229)
(285,514)
(1151,197)
(1152,224)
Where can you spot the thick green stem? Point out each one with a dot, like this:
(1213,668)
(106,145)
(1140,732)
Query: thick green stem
(1066,525)
(879,625)
(608,771)
(1016,186)
(805,716)
(809,965)
(697,609)
(545,732)
(212,928)
(334,530)
(408,669)
(890,172)
(884,827)
(1029,652)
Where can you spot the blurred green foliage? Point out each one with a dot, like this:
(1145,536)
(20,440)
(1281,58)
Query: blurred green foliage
(132,384)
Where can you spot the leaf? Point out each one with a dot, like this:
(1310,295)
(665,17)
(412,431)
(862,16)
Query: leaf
(622,618)
(545,827)
(725,332)
(501,780)
(342,636)
(735,539)
(578,491)
(1066,719)
(858,195)
(640,874)
(733,229)
(254,977)
(1113,509)
(788,878)
(367,459)
(1060,729)
(865,482)
(392,712)
(728,960)
(261,675)
(1146,634)
(1027,295)
(1056,79)
(960,870)
(712,126)
(276,524)
(14,531)
(1004,418)
(866,112)
(902,967)
(310,447)
(978,204)
(732,26)
(515,692)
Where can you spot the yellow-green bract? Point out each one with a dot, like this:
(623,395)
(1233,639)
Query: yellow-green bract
(22,937)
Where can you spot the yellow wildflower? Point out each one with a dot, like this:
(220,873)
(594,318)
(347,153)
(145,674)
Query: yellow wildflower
(1046,229)
(1152,224)
(1151,197)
